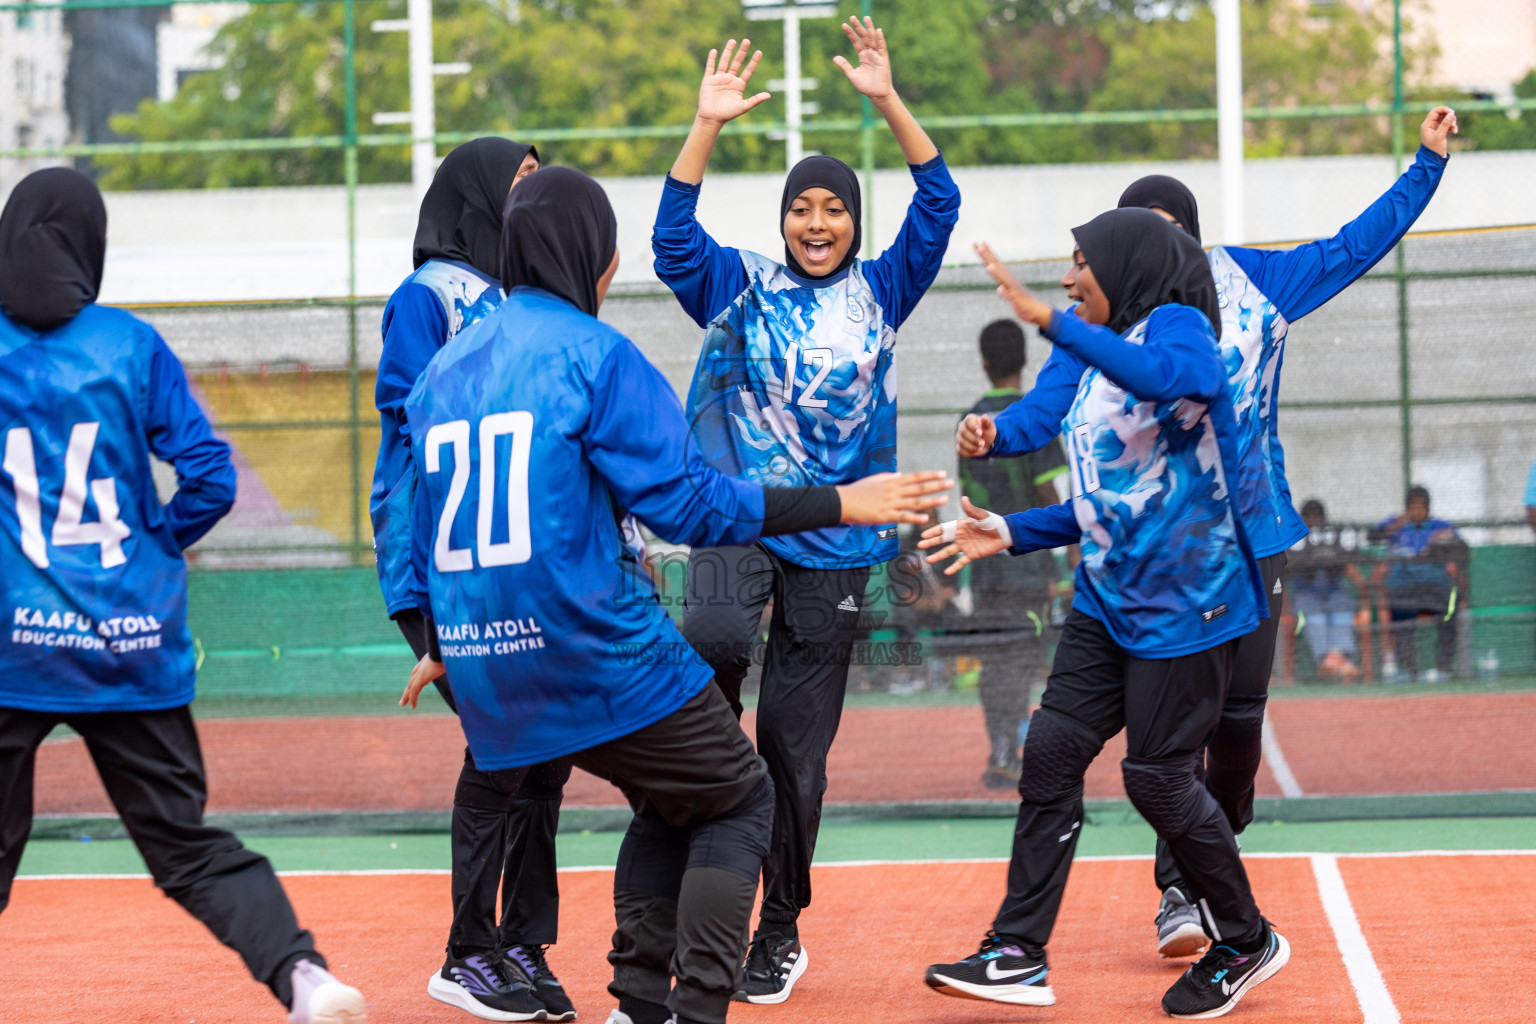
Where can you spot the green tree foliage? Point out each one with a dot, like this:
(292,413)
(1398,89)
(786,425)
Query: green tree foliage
(1496,129)
(615,63)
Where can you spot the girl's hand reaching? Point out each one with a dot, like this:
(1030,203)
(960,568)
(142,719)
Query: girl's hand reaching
(722,93)
(873,75)
(1012,291)
(979,535)
(1440,123)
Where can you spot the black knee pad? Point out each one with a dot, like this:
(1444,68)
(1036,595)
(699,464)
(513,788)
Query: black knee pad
(1166,793)
(738,840)
(1056,756)
(652,858)
(545,781)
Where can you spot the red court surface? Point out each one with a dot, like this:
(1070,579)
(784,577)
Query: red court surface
(1449,934)
(1366,745)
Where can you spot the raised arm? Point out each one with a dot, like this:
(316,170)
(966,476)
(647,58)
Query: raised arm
(873,78)
(722,99)
(178,432)
(1299,280)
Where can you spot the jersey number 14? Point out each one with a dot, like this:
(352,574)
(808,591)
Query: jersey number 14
(109,530)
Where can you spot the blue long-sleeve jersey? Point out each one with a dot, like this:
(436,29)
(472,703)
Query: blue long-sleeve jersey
(1262,292)
(532,433)
(1151,442)
(796,382)
(91,567)
(439,299)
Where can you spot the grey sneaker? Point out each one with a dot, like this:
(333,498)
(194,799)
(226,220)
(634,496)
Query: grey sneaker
(1179,931)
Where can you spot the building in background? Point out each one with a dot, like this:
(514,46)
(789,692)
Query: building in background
(182,43)
(33,54)
(111,69)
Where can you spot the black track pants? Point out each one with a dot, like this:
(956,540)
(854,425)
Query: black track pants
(1168,708)
(502,836)
(688,867)
(152,767)
(1231,761)
(805,675)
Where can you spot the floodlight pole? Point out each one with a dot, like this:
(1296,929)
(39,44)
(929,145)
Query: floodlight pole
(794,106)
(423,102)
(1229,118)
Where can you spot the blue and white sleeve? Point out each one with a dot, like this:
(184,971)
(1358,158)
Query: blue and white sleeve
(1034,421)
(900,276)
(638,439)
(1052,526)
(179,433)
(1299,280)
(1177,359)
(705,276)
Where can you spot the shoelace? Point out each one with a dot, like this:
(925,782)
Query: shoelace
(533,960)
(761,959)
(499,970)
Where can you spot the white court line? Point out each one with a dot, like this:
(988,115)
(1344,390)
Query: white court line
(1278,765)
(1370,989)
(1106,858)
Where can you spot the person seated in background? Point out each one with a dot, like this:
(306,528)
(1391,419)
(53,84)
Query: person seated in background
(1317,569)
(1420,577)
(1010,597)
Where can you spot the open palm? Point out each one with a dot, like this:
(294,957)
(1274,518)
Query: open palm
(722,93)
(873,75)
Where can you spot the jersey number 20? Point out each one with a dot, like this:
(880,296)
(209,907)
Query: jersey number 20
(517,547)
(109,530)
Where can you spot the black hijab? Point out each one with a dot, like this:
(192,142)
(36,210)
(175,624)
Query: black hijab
(560,235)
(1142,262)
(1168,194)
(461,212)
(832,174)
(53,244)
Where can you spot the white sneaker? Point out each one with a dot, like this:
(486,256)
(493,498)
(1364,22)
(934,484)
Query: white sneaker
(318,998)
(616,1016)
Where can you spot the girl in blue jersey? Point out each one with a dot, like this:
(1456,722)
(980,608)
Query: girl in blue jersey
(496,835)
(1166,587)
(532,433)
(796,385)
(94,577)
(1262,292)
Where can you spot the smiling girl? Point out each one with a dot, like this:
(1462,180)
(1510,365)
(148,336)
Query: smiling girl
(796,386)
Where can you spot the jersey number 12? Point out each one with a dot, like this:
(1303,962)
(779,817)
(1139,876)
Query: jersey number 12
(109,530)
(518,546)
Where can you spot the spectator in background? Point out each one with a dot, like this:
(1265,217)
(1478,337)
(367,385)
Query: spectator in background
(1421,577)
(1316,573)
(1010,597)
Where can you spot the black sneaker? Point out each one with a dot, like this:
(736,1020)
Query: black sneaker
(487,986)
(774,963)
(1002,774)
(1214,983)
(1179,931)
(1000,970)
(530,960)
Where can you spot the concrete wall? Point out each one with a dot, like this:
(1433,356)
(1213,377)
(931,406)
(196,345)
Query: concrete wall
(290,243)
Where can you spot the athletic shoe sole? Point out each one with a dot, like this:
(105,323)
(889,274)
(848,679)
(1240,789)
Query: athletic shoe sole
(801,963)
(445,991)
(1018,995)
(1185,940)
(337,1004)
(1280,959)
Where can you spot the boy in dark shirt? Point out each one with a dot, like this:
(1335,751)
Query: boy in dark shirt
(1011,596)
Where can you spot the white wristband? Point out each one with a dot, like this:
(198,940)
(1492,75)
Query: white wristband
(993,522)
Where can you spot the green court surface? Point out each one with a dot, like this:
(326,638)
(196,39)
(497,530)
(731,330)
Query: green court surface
(853,841)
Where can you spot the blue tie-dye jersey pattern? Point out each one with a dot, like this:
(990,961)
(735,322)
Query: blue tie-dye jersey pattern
(797,386)
(1164,563)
